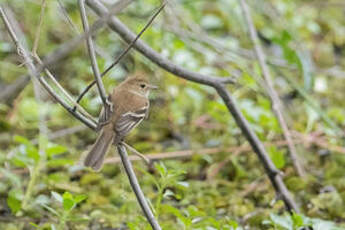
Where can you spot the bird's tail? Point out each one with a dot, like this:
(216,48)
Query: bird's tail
(95,157)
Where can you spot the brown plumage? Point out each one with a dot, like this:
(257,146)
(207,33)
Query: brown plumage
(131,105)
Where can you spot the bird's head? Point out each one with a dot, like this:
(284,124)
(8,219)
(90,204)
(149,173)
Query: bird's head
(140,84)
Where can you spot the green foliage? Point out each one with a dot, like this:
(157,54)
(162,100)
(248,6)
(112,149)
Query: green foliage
(296,222)
(277,157)
(14,200)
(42,185)
(67,202)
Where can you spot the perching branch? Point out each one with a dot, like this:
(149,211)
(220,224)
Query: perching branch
(118,59)
(136,187)
(92,55)
(276,103)
(219,84)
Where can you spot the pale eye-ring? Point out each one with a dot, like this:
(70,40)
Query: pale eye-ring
(142,86)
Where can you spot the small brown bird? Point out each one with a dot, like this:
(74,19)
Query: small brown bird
(131,106)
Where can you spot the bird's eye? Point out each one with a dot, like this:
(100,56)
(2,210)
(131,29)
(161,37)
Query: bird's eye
(142,85)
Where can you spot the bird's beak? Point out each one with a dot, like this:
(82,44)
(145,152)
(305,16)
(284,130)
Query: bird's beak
(153,87)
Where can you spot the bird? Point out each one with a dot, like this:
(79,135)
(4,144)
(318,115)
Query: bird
(130,107)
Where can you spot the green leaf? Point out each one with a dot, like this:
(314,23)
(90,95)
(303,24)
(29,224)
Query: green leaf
(297,220)
(55,150)
(161,169)
(68,201)
(34,225)
(59,162)
(178,214)
(277,157)
(21,140)
(67,195)
(68,204)
(79,198)
(14,200)
(33,153)
(282,221)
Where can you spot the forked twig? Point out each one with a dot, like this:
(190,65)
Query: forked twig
(22,52)
(38,31)
(124,52)
(69,46)
(64,92)
(48,73)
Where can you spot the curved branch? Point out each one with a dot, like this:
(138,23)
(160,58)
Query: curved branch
(127,35)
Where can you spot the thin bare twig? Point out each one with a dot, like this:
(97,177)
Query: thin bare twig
(196,32)
(38,31)
(190,152)
(68,19)
(136,188)
(276,103)
(130,45)
(48,73)
(64,92)
(34,72)
(72,44)
(75,29)
(124,52)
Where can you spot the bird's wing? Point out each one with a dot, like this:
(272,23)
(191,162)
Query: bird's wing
(129,120)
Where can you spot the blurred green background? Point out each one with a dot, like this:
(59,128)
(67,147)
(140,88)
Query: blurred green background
(42,186)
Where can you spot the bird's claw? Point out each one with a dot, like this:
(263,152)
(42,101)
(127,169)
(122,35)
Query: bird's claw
(101,124)
(110,105)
